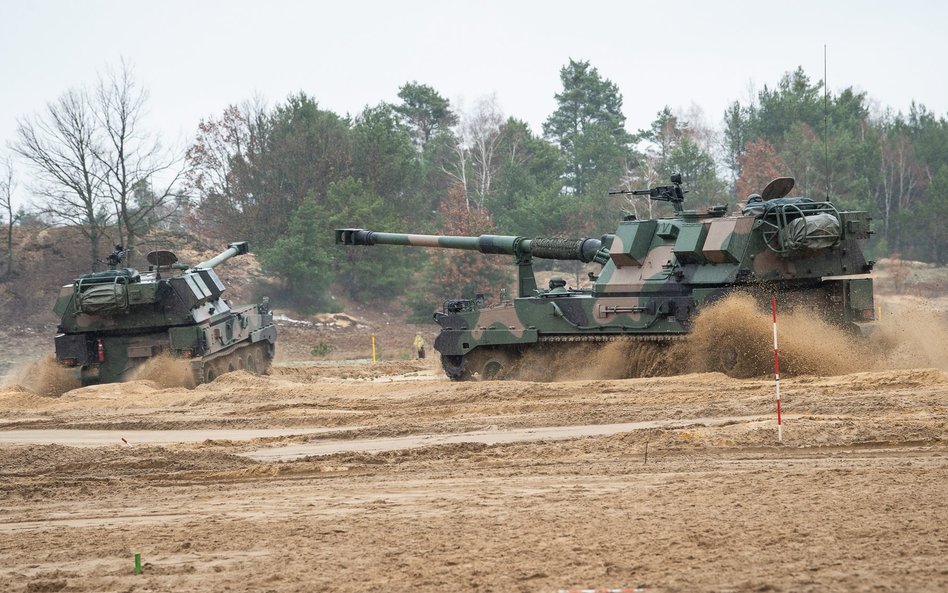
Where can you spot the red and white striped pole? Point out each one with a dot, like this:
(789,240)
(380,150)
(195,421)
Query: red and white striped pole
(773,308)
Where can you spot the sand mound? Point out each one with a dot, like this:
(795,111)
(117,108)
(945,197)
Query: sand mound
(888,379)
(240,378)
(110,462)
(131,390)
(353,370)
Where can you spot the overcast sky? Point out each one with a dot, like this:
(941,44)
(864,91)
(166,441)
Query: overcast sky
(196,57)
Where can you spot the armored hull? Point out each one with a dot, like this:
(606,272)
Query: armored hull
(113,322)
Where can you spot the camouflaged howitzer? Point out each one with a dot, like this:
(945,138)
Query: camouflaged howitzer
(656,275)
(114,321)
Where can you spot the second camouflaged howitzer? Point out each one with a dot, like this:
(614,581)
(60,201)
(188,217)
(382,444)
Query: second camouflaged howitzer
(112,322)
(656,275)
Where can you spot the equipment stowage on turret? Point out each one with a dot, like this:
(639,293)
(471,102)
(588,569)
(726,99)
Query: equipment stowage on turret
(114,321)
(656,275)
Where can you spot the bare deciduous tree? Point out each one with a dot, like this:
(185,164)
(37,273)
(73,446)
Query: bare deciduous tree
(481,130)
(220,162)
(643,175)
(476,140)
(7,187)
(131,160)
(60,146)
(95,165)
(457,169)
(899,176)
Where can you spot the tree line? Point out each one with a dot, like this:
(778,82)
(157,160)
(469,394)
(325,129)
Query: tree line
(284,176)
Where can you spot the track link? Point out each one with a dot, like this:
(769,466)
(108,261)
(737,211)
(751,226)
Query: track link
(619,338)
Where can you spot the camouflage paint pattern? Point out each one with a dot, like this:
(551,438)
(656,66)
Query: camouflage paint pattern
(112,322)
(655,276)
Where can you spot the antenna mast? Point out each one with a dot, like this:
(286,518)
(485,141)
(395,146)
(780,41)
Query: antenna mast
(826,159)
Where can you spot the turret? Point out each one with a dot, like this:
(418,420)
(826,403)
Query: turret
(106,298)
(523,249)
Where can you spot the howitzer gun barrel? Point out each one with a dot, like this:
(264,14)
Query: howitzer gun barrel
(238,248)
(585,250)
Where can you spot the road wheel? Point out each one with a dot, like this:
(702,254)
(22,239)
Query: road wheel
(211,372)
(454,367)
(489,364)
(263,354)
(251,363)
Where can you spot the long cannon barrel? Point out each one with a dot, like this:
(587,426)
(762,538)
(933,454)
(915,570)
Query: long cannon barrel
(238,248)
(584,250)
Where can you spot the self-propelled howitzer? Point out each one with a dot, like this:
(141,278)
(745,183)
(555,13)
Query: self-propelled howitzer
(656,275)
(114,321)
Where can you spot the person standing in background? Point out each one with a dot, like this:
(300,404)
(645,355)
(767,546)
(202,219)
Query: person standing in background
(420,346)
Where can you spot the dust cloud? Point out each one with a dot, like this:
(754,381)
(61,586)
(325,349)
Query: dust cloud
(738,327)
(43,377)
(590,361)
(166,371)
(914,334)
(735,336)
(49,378)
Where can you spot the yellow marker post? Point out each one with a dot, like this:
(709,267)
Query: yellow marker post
(373,349)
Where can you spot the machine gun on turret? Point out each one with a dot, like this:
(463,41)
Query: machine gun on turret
(660,193)
(116,258)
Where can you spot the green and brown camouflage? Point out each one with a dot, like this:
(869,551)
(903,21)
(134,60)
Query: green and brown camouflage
(657,274)
(114,321)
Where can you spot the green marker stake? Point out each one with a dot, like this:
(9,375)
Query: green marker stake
(138,563)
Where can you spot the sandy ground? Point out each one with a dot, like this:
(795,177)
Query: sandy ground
(358,477)
(854,499)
